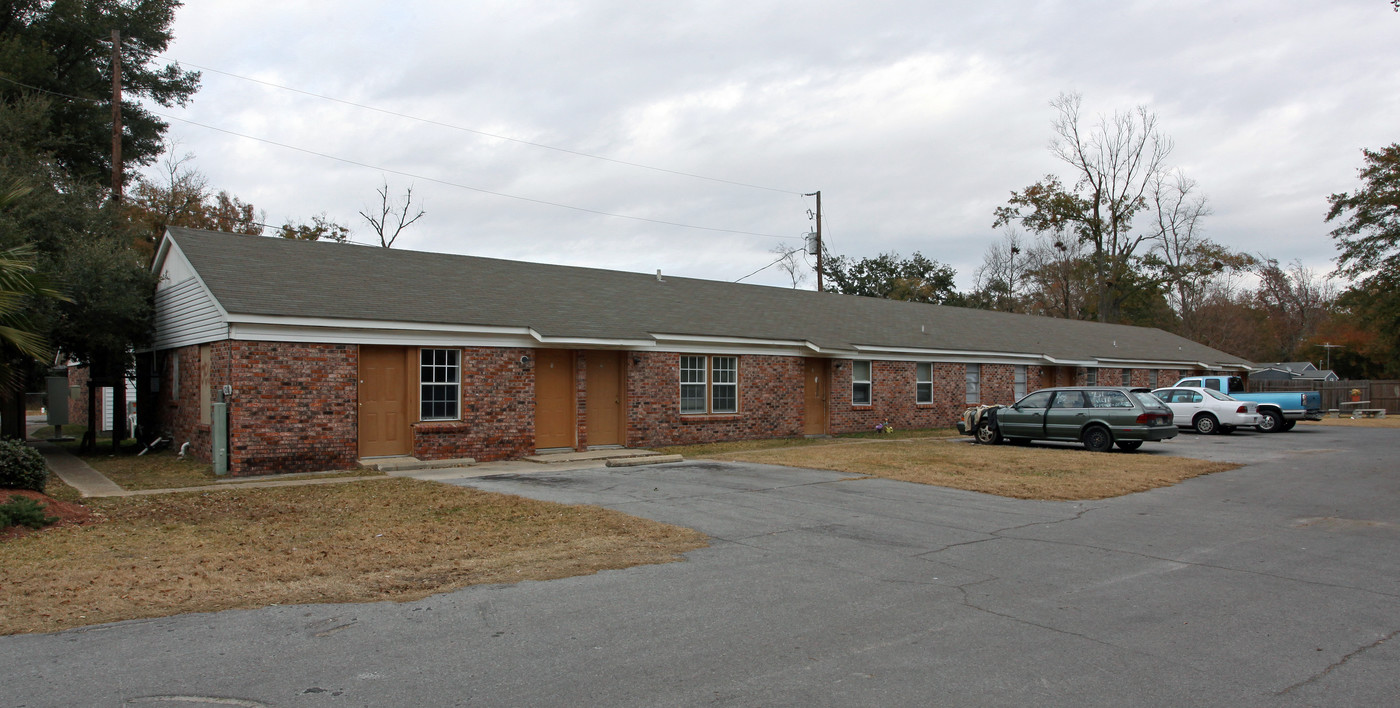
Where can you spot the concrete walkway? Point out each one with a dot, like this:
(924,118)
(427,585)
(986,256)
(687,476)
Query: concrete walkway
(91,483)
(76,473)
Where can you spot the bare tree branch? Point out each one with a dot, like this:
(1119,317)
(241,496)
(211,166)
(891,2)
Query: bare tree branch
(384,223)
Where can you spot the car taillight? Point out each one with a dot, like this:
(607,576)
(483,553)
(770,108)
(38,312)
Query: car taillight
(1149,418)
(1243,409)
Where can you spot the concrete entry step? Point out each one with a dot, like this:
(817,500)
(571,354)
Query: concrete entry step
(611,454)
(405,464)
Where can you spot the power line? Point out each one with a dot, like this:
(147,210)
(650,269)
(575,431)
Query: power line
(483,133)
(770,265)
(412,175)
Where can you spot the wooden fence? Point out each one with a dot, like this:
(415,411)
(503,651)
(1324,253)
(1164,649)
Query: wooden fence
(1381,394)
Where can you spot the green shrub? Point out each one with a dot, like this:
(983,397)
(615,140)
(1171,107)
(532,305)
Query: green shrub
(23,511)
(22,467)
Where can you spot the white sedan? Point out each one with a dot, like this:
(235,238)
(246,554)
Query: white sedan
(1207,410)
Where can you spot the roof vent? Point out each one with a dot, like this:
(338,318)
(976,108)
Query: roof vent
(658,276)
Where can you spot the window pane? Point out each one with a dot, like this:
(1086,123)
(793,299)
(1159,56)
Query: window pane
(860,382)
(860,393)
(692,398)
(1091,376)
(692,369)
(973,381)
(924,393)
(693,384)
(439,376)
(1020,383)
(724,398)
(1126,378)
(726,369)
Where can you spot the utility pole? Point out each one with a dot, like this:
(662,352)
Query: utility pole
(818,244)
(1329,347)
(116,117)
(118,373)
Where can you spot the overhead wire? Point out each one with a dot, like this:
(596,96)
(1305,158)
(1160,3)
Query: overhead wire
(770,265)
(416,176)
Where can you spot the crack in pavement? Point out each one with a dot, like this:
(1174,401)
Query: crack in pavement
(1338,663)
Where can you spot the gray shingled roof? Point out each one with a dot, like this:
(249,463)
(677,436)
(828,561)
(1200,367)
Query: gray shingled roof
(254,275)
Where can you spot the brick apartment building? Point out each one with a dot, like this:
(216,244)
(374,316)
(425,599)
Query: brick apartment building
(328,353)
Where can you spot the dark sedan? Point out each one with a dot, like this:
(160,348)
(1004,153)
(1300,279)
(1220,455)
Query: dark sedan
(1097,416)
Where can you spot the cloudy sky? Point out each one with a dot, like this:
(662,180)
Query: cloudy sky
(915,119)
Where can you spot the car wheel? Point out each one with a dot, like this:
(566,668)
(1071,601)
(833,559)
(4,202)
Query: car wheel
(1097,439)
(987,435)
(1271,423)
(1227,429)
(1206,424)
(1129,445)
(1288,425)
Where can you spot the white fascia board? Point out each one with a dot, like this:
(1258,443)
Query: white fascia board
(323,323)
(385,335)
(1168,363)
(738,341)
(592,342)
(956,356)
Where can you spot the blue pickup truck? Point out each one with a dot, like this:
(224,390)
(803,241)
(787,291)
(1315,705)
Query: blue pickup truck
(1280,411)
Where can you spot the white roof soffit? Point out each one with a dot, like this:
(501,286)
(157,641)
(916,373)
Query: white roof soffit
(1166,363)
(604,342)
(711,339)
(954,354)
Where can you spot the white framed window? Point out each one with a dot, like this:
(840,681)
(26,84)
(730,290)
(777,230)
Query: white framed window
(1126,378)
(693,384)
(1091,376)
(923,383)
(1019,382)
(724,384)
(1152,378)
(973,379)
(439,384)
(709,384)
(860,383)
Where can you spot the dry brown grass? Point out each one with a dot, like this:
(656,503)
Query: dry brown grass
(166,470)
(390,539)
(1031,472)
(711,449)
(1388,422)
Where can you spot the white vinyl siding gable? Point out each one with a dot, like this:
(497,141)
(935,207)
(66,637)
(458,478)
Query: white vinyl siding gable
(187,314)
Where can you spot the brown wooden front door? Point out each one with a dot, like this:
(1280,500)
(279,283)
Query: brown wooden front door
(814,397)
(555,409)
(603,387)
(384,402)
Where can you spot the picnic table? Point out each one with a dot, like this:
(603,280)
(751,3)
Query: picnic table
(1358,412)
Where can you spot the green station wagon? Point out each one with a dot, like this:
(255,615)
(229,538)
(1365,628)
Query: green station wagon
(1097,416)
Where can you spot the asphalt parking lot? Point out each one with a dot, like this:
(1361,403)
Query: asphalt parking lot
(1273,584)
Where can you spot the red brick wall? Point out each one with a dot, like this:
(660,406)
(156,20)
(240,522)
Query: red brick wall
(178,417)
(498,410)
(294,405)
(770,402)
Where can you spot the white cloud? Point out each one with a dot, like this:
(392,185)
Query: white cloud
(914,119)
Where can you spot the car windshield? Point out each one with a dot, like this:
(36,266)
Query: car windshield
(1148,399)
(1218,395)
